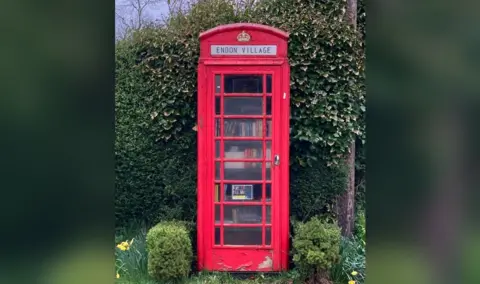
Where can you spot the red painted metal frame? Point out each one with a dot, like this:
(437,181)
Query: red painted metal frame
(248,257)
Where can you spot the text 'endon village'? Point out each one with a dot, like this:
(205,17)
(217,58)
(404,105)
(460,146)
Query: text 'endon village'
(244,50)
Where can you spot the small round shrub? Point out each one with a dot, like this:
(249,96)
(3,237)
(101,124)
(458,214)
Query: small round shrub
(316,247)
(169,251)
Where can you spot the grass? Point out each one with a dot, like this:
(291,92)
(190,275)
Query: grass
(131,264)
(352,258)
(220,278)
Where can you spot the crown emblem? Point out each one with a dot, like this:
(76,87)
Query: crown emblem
(243,36)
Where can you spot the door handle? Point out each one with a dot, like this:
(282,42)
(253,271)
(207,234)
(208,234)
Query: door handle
(277,160)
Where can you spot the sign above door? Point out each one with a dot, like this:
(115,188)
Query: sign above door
(243,50)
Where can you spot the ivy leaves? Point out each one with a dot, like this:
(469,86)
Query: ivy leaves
(155,99)
(327,71)
(327,82)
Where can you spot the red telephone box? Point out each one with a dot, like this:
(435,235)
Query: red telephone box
(243,149)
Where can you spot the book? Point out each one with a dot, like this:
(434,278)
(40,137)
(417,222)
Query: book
(241,128)
(217,193)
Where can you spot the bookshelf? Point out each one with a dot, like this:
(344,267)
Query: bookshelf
(245,150)
(242,214)
(243,128)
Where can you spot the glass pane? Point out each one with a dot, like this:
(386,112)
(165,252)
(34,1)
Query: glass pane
(268,170)
(242,236)
(243,171)
(268,213)
(217,214)
(217,84)
(243,149)
(217,236)
(269,128)
(268,192)
(269,84)
(269,150)
(217,127)
(217,105)
(242,192)
(239,214)
(268,236)
(269,105)
(243,106)
(243,127)
(217,149)
(243,83)
(217,170)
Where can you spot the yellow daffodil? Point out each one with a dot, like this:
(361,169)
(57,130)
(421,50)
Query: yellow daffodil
(354,273)
(351,282)
(118,275)
(124,245)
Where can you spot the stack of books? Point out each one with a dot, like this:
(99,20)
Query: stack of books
(242,128)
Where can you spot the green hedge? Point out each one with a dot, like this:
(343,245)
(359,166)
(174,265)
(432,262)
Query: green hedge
(155,99)
(169,251)
(313,189)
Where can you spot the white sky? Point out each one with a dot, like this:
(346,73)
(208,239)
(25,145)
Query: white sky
(154,12)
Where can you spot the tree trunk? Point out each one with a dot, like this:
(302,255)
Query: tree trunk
(352,13)
(346,201)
